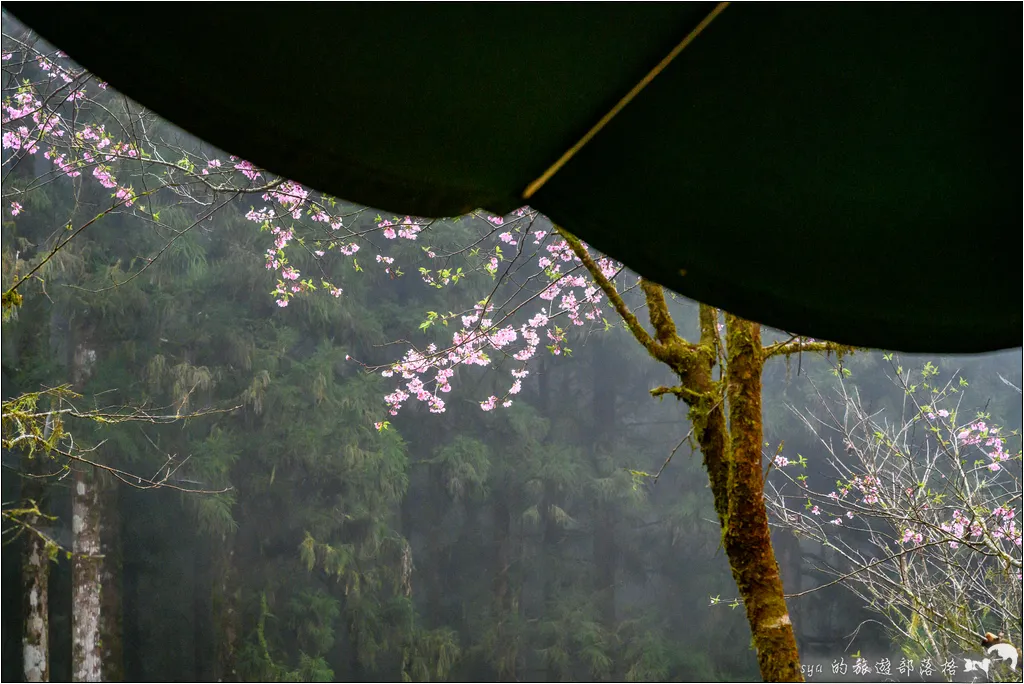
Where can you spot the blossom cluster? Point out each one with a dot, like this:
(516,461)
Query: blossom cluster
(978,433)
(1000,525)
(566,294)
(60,128)
(70,133)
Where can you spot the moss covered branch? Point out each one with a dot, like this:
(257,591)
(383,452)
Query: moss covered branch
(657,311)
(681,393)
(709,327)
(609,289)
(800,345)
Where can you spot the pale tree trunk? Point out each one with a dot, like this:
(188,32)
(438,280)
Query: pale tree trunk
(110,582)
(35,572)
(36,580)
(85,579)
(87,558)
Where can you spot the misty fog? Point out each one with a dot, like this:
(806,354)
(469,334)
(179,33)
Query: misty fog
(203,448)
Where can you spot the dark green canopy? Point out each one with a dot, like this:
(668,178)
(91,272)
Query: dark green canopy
(843,171)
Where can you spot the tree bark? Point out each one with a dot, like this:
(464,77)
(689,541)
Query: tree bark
(225,609)
(731,450)
(504,603)
(605,549)
(791,565)
(85,579)
(732,456)
(111,632)
(36,598)
(35,569)
(747,537)
(202,611)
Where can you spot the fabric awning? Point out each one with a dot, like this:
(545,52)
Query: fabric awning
(845,171)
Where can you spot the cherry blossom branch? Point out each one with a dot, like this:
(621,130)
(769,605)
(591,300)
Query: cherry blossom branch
(630,319)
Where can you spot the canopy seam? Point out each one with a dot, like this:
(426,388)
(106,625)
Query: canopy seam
(536,185)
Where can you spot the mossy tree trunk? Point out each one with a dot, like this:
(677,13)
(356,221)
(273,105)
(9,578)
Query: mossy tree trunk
(747,537)
(727,424)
